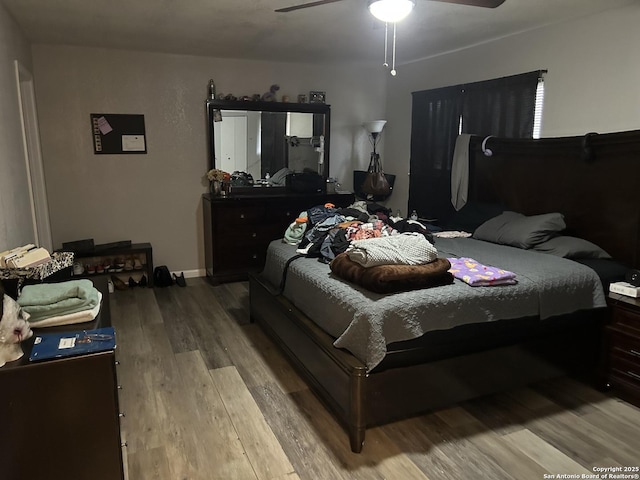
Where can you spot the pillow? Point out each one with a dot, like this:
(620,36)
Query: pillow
(472,215)
(607,269)
(520,231)
(571,247)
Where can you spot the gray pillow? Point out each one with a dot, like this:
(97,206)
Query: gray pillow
(571,247)
(520,231)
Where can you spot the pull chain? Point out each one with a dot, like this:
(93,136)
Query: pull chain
(386,43)
(393,53)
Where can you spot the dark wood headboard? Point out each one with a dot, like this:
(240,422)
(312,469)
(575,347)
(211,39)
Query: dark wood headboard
(593,180)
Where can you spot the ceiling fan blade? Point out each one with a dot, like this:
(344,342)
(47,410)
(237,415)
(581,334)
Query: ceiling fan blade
(306,5)
(475,3)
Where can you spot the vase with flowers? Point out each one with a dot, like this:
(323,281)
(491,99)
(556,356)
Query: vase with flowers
(219,180)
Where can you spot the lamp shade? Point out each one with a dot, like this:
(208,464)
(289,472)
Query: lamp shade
(374,126)
(391,11)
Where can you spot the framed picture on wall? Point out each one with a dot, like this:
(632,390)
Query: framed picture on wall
(118,133)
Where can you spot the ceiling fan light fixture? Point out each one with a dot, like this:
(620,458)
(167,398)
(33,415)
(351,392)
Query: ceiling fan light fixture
(391,11)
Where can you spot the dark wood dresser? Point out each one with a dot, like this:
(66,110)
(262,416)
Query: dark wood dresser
(239,228)
(622,347)
(60,418)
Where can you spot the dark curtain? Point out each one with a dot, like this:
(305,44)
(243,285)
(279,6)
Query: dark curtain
(501,107)
(435,120)
(272,142)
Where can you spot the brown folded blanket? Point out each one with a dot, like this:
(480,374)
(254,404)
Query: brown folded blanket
(392,278)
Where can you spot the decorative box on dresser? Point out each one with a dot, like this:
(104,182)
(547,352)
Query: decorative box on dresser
(61,418)
(622,347)
(239,228)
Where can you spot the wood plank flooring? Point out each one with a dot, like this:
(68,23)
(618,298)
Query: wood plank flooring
(208,396)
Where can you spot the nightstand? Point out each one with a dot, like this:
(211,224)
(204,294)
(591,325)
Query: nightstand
(622,347)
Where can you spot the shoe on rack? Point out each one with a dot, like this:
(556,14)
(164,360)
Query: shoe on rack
(143,281)
(180,280)
(118,284)
(137,264)
(106,265)
(118,264)
(78,268)
(128,264)
(132,282)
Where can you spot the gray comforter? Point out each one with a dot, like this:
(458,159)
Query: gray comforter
(365,323)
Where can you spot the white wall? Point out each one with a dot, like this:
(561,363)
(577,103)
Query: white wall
(591,85)
(157,197)
(16,227)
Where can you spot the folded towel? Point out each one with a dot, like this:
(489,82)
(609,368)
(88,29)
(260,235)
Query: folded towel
(52,299)
(478,275)
(403,249)
(69,319)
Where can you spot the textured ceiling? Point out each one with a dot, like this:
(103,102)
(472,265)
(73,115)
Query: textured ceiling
(338,32)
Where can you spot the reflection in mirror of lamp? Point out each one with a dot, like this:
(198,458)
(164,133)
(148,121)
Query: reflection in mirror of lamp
(260,142)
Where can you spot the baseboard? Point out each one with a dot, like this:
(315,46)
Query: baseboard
(191,273)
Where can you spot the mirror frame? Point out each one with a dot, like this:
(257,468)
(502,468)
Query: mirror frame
(259,106)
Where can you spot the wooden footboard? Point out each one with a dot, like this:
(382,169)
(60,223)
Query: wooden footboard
(360,399)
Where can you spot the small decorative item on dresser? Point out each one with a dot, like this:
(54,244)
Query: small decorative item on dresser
(317,97)
(270,96)
(216,179)
(215,188)
(302,98)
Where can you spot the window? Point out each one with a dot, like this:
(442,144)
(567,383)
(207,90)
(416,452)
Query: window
(537,116)
(505,107)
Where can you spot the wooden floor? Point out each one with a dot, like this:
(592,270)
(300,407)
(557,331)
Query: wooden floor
(208,396)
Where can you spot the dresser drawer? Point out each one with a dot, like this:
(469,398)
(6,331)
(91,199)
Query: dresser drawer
(254,235)
(625,347)
(239,258)
(240,215)
(627,370)
(626,320)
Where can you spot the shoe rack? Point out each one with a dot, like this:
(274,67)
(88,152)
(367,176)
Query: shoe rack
(133,261)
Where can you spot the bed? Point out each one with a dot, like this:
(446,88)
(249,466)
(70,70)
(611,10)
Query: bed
(461,342)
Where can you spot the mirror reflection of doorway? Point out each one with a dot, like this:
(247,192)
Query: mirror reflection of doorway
(232,133)
(33,158)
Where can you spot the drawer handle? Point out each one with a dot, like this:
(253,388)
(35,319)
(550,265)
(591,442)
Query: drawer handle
(121,415)
(634,375)
(119,387)
(634,352)
(242,215)
(124,444)
(254,256)
(254,235)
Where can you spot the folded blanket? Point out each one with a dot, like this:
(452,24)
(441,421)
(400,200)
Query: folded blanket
(70,318)
(478,275)
(403,249)
(52,299)
(392,278)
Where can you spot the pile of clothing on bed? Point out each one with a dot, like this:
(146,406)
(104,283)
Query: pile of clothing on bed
(63,303)
(365,245)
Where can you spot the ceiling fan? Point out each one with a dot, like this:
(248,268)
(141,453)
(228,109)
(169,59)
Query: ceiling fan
(391,12)
(474,3)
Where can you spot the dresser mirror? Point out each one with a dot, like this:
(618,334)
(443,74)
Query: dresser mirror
(261,138)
